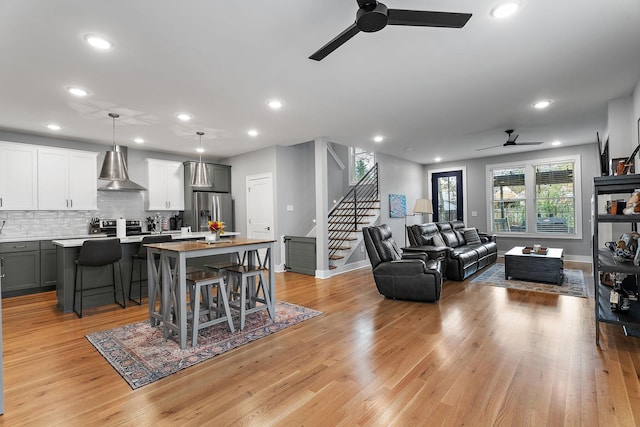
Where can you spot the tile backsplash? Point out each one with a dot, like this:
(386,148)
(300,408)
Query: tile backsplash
(111,204)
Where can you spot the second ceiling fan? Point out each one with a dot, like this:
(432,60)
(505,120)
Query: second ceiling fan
(511,141)
(373,16)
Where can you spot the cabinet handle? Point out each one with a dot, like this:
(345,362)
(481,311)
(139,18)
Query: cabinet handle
(67,202)
(0,202)
(71,202)
(19,247)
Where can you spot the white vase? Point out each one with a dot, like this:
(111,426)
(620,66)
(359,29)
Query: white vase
(213,237)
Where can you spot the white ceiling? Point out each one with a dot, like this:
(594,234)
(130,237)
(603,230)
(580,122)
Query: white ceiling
(430,91)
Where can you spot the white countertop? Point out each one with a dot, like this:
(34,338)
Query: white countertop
(177,235)
(40,238)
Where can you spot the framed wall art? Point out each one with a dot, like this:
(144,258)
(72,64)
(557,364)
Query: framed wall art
(397,206)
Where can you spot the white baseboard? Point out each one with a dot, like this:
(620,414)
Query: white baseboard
(325,274)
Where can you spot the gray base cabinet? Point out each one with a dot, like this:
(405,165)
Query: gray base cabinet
(29,267)
(20,266)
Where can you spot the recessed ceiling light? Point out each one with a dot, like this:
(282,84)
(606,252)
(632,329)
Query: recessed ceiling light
(184,117)
(138,140)
(98,42)
(437,159)
(275,104)
(252,132)
(77,91)
(53,126)
(504,10)
(542,104)
(200,150)
(378,138)
(556,143)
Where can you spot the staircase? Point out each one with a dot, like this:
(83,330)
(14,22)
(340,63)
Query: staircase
(358,208)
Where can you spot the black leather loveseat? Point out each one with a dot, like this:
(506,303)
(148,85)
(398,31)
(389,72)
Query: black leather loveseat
(407,276)
(464,250)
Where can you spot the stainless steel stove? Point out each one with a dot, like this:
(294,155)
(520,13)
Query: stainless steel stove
(133,227)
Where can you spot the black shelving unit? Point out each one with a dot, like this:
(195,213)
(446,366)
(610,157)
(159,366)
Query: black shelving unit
(603,261)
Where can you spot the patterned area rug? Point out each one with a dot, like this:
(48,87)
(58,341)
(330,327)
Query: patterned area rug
(573,285)
(141,355)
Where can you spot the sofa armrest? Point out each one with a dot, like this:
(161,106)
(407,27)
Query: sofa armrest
(416,255)
(403,267)
(487,237)
(434,252)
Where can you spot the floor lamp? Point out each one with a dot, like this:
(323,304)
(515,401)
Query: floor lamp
(422,206)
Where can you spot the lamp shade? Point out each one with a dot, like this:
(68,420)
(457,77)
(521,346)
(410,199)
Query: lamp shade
(113,167)
(423,206)
(200,177)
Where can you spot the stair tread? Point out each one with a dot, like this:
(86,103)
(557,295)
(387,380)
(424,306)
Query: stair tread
(335,257)
(344,239)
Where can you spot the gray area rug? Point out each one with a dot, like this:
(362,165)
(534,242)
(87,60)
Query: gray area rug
(573,284)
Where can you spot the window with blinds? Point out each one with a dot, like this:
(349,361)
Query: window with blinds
(537,197)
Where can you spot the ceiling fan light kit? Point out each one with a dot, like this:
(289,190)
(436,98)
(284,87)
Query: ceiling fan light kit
(373,16)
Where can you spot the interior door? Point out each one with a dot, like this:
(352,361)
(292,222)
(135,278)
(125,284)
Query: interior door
(447,195)
(260,207)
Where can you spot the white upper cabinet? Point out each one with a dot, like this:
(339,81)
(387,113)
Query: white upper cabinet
(166,185)
(67,179)
(18,176)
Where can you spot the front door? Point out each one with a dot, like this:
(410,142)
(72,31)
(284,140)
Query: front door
(446,191)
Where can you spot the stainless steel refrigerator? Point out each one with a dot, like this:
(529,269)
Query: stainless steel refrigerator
(208,206)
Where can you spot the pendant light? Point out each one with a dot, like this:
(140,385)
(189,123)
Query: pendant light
(113,167)
(200,177)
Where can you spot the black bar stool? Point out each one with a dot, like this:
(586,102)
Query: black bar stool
(140,257)
(98,253)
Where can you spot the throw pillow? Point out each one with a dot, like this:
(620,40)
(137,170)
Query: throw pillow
(471,236)
(438,241)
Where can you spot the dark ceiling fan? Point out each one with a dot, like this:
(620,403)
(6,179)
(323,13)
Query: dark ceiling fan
(511,141)
(373,16)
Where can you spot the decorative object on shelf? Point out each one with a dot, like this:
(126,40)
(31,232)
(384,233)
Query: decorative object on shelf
(200,177)
(633,204)
(113,167)
(397,206)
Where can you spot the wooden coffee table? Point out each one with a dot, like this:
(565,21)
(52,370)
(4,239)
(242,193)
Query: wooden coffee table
(534,267)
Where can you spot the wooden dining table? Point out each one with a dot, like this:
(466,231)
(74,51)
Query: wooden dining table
(170,275)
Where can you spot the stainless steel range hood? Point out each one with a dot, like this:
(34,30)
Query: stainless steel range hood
(126,185)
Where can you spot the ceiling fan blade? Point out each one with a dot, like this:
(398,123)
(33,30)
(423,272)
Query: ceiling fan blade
(423,18)
(529,143)
(338,41)
(486,148)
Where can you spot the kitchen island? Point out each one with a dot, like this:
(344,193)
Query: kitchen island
(67,251)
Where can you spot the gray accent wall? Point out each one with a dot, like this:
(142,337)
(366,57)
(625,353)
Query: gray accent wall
(399,176)
(477,197)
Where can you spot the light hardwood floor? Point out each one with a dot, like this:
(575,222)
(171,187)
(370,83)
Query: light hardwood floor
(482,356)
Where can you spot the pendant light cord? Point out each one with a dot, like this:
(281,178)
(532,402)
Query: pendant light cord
(200,150)
(114,116)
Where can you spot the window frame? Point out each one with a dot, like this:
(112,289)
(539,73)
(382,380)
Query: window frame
(352,163)
(531,200)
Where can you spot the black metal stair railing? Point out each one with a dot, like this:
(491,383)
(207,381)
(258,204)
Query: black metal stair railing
(350,212)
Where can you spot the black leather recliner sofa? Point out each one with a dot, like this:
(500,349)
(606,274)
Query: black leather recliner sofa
(408,276)
(447,241)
